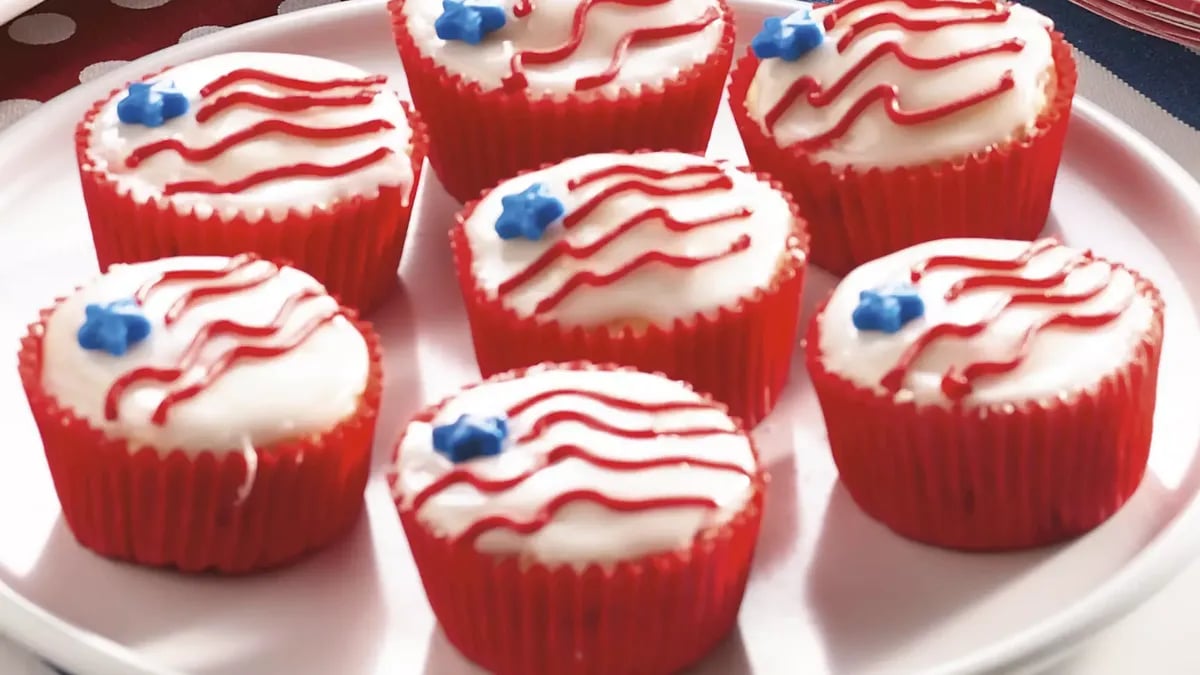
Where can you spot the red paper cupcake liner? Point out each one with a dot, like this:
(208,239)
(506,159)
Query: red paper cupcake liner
(994,477)
(478,138)
(352,246)
(652,615)
(741,355)
(856,216)
(202,511)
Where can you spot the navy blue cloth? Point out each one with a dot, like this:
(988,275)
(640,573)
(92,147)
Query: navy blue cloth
(1165,72)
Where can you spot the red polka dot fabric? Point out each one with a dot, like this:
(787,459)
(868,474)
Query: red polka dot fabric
(60,43)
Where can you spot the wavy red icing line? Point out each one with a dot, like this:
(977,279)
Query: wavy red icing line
(301,170)
(956,384)
(642,172)
(917,25)
(999,264)
(889,95)
(588,278)
(266,77)
(234,265)
(983,281)
(563,248)
(189,360)
(610,401)
(523,8)
(818,98)
(550,419)
(558,455)
(546,513)
(282,103)
(722,182)
(263,128)
(518,80)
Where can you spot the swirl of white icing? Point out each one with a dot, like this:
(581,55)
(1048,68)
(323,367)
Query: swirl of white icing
(1060,359)
(749,211)
(111,142)
(256,402)
(549,26)
(582,531)
(874,139)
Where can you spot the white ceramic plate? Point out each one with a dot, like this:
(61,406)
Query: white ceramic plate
(831,590)
(11,9)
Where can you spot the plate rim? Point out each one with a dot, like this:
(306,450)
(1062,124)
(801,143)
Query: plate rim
(1040,644)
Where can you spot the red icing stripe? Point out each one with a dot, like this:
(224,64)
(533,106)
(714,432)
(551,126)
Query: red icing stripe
(587,278)
(558,455)
(611,401)
(1035,249)
(523,8)
(254,75)
(917,25)
(956,384)
(722,182)
(281,103)
(545,422)
(641,35)
(302,170)
(196,295)
(518,80)
(642,172)
(546,514)
(271,126)
(563,248)
(818,98)
(889,95)
(172,276)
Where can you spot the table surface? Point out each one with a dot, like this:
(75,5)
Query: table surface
(1163,101)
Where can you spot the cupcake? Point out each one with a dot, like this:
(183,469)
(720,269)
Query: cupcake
(190,415)
(662,261)
(989,394)
(894,122)
(509,85)
(580,519)
(287,156)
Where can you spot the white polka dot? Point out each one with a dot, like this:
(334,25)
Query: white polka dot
(41,29)
(139,4)
(15,108)
(199,31)
(297,5)
(97,69)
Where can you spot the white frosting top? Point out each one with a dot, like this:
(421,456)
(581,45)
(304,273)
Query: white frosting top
(112,141)
(743,246)
(584,531)
(256,402)
(1061,359)
(873,139)
(550,26)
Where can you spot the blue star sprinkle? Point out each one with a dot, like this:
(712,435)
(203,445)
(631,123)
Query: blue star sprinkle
(113,328)
(471,436)
(151,103)
(887,309)
(528,213)
(468,22)
(790,37)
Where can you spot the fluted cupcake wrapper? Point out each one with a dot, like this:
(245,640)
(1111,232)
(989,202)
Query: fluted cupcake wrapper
(652,615)
(352,246)
(994,477)
(858,215)
(478,138)
(207,510)
(741,355)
